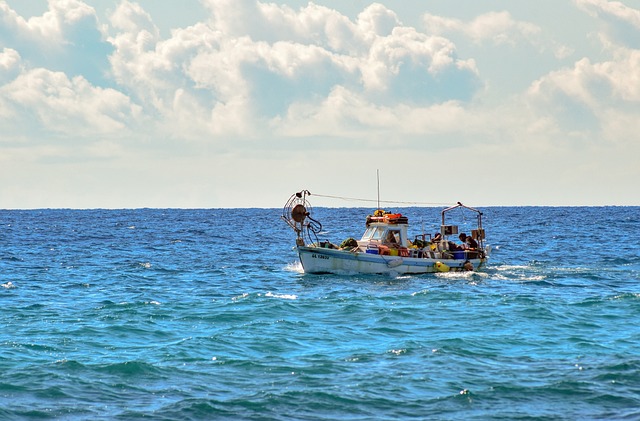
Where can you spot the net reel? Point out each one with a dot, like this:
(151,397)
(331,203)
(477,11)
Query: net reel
(296,213)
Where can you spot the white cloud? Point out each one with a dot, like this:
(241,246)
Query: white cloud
(40,29)
(377,20)
(313,24)
(66,106)
(405,47)
(132,18)
(269,83)
(51,30)
(613,8)
(10,62)
(496,27)
(594,97)
(345,114)
(65,38)
(237,74)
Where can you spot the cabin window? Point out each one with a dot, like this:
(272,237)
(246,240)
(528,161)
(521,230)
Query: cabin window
(368,233)
(373,233)
(376,233)
(392,236)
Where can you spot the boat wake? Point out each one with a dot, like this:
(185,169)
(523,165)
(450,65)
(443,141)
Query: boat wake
(294,267)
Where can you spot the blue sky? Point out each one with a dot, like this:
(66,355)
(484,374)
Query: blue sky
(239,103)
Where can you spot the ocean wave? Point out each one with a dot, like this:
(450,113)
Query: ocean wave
(123,324)
(283,296)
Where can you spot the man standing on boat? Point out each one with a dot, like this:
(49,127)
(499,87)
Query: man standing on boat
(468,242)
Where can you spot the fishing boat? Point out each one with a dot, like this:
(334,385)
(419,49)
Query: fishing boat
(385,246)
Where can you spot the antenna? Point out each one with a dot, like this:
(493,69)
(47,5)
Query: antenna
(378,177)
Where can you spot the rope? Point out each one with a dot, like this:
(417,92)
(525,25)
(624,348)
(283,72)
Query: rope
(352,199)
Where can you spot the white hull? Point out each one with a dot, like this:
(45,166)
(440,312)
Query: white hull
(323,260)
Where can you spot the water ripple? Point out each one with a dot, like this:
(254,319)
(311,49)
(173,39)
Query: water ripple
(170,314)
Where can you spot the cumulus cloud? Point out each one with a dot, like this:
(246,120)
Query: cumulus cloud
(263,75)
(346,114)
(496,27)
(49,69)
(9,64)
(37,30)
(613,8)
(592,96)
(132,18)
(66,106)
(252,61)
(616,20)
(245,68)
(313,24)
(252,66)
(66,38)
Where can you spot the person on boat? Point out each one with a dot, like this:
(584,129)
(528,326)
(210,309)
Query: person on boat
(392,239)
(468,243)
(434,241)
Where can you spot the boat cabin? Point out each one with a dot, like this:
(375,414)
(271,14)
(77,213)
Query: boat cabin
(385,234)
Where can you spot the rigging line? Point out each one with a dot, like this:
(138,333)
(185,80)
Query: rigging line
(381,201)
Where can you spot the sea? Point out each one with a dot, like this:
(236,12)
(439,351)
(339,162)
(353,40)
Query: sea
(205,314)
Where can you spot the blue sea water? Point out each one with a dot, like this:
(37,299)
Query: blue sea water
(205,314)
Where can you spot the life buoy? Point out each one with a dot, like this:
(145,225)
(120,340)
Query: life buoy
(441,267)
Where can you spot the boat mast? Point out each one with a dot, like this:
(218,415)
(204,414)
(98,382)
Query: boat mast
(378,179)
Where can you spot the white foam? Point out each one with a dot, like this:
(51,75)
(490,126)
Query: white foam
(510,267)
(283,296)
(294,267)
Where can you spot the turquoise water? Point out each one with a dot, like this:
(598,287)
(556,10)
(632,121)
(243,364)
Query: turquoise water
(205,314)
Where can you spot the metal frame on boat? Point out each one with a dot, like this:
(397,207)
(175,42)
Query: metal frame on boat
(385,246)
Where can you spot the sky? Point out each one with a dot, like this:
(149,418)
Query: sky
(240,103)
